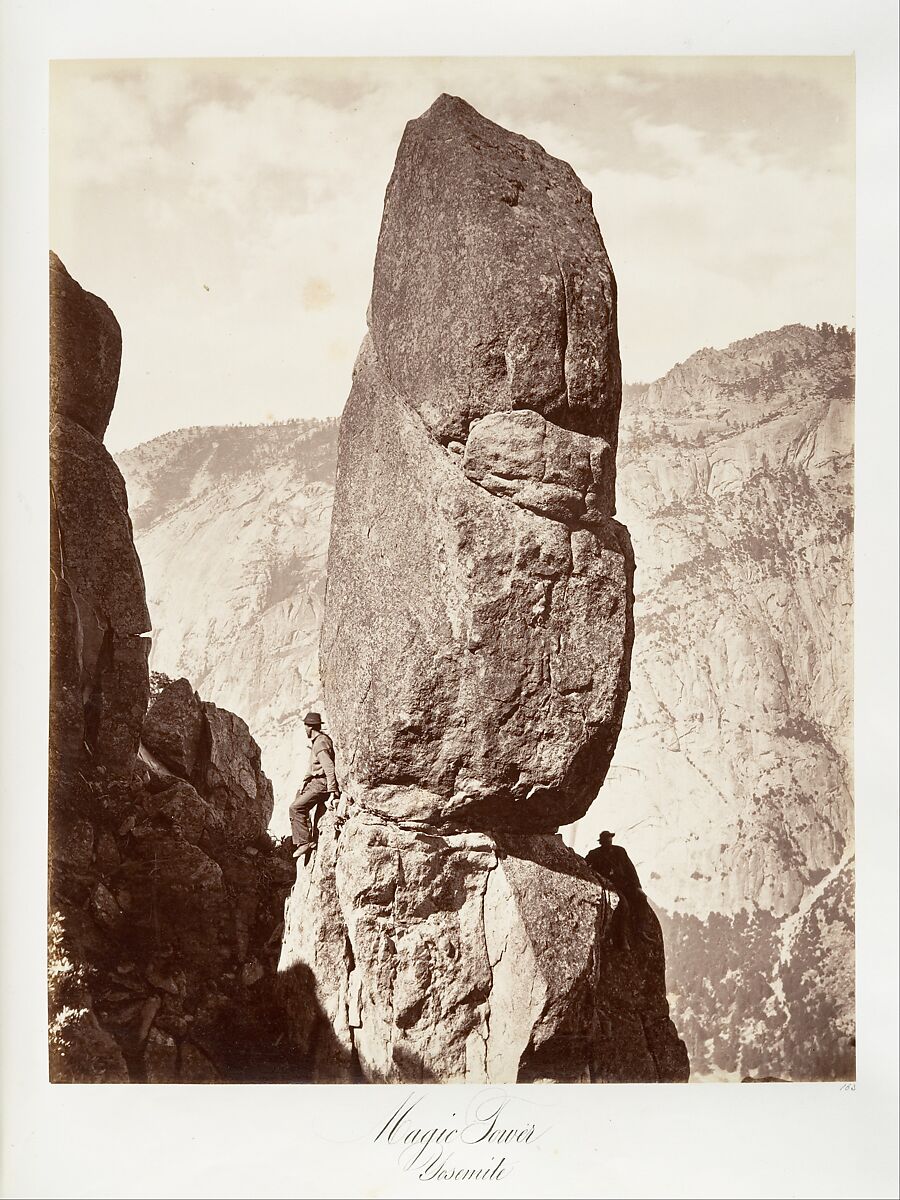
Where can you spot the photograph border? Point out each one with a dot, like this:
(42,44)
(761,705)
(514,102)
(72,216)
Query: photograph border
(623,1140)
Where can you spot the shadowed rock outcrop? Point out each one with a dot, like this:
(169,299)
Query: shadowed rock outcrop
(165,923)
(85,353)
(213,749)
(165,889)
(165,935)
(99,684)
(475,647)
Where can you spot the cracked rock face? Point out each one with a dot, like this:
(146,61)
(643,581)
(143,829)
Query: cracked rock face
(492,287)
(85,352)
(477,631)
(475,648)
(467,958)
(165,912)
(100,681)
(214,749)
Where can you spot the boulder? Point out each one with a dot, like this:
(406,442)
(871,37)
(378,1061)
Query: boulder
(184,810)
(214,750)
(233,779)
(173,727)
(104,907)
(178,899)
(477,631)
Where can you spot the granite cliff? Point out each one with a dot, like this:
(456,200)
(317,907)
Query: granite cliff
(413,956)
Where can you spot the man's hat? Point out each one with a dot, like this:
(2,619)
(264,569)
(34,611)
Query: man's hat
(605,834)
(314,719)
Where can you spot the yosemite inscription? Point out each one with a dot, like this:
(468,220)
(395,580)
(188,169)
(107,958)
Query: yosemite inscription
(482,1139)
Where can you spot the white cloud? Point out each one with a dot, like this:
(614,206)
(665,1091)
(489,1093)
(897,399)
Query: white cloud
(255,179)
(677,144)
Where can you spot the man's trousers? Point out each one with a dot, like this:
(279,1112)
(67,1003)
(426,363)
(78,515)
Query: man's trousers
(312,793)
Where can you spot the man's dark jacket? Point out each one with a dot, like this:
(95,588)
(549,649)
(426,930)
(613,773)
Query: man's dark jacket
(613,863)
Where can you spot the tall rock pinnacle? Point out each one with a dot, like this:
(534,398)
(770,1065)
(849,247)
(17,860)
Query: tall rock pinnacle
(99,675)
(475,647)
(493,291)
(477,631)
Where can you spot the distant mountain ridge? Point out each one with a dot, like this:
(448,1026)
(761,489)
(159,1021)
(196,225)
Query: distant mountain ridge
(734,764)
(731,780)
(232,527)
(173,467)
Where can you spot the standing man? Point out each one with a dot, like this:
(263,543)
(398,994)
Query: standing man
(320,781)
(617,870)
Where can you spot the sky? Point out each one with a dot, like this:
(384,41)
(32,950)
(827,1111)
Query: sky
(228,209)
